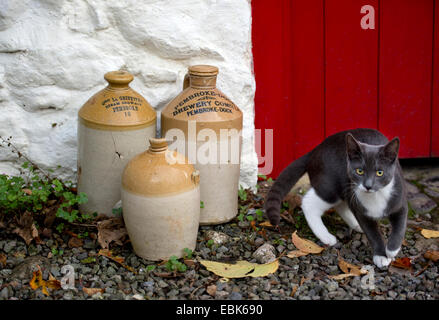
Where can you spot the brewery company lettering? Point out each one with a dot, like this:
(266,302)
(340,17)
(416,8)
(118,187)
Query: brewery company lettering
(122,103)
(203,106)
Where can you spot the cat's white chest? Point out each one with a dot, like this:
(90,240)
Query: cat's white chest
(376,202)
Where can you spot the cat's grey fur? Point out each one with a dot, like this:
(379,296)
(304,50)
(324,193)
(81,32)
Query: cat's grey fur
(361,200)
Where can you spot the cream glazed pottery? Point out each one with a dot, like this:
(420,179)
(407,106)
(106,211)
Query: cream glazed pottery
(209,121)
(114,125)
(161,202)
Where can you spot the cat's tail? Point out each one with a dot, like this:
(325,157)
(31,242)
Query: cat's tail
(283,184)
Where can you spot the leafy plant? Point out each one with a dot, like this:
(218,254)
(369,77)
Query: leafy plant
(150,268)
(259,214)
(117,211)
(34,188)
(242,193)
(242,212)
(57,252)
(209,243)
(187,253)
(201,204)
(174,265)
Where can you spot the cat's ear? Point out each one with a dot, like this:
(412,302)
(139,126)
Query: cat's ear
(352,147)
(391,149)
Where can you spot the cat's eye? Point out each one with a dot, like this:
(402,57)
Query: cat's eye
(380,173)
(359,171)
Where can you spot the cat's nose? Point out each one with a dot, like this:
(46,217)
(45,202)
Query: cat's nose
(367,185)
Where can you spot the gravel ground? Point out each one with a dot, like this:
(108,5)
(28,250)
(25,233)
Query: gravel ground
(303,278)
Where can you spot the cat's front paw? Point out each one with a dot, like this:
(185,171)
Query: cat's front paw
(381,261)
(328,239)
(392,253)
(358,228)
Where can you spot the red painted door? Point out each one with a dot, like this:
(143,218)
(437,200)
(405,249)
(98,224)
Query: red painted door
(318,71)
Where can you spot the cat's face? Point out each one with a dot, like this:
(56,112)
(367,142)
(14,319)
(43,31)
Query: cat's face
(371,167)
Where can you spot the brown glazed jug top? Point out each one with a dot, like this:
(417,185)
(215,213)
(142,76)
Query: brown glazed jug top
(117,107)
(202,102)
(151,174)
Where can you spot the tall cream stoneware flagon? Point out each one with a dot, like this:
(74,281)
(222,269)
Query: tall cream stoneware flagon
(211,125)
(114,125)
(161,202)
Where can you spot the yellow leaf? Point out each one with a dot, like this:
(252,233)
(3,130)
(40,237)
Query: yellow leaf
(348,268)
(342,276)
(265,224)
(296,254)
(305,245)
(430,233)
(240,269)
(107,253)
(92,291)
(262,270)
(37,282)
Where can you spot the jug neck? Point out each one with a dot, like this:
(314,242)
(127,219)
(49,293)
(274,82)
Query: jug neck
(118,80)
(157,145)
(202,82)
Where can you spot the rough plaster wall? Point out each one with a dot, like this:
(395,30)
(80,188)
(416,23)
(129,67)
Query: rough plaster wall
(54,53)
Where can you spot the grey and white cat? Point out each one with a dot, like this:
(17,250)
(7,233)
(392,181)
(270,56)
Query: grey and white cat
(357,172)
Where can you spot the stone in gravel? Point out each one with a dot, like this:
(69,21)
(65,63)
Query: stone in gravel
(4,294)
(222,249)
(162,284)
(235,296)
(420,203)
(331,286)
(89,244)
(280,248)
(82,256)
(28,266)
(9,246)
(68,296)
(221,295)
(111,271)
(259,241)
(55,271)
(243,224)
(265,253)
(219,238)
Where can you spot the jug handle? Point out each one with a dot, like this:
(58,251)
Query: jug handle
(186,81)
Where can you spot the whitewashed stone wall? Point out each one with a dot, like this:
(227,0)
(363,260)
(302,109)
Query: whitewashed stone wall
(54,53)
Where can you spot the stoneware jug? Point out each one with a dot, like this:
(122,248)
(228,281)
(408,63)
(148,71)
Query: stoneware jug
(210,126)
(114,125)
(161,202)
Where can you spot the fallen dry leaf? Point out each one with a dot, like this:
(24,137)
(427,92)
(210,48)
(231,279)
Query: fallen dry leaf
(211,290)
(265,224)
(430,233)
(294,200)
(343,276)
(107,253)
(75,242)
(37,282)
(189,262)
(27,191)
(3,259)
(241,268)
(432,255)
(293,292)
(305,245)
(349,268)
(403,263)
(111,230)
(26,228)
(92,291)
(296,254)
